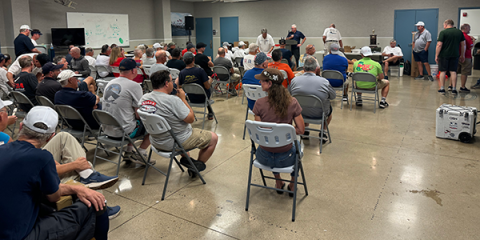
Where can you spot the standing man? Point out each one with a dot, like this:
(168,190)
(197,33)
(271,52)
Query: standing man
(331,35)
(448,54)
(35,36)
(392,55)
(296,35)
(465,68)
(265,42)
(421,42)
(22,42)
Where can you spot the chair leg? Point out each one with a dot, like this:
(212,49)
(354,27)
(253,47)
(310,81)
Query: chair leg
(178,164)
(214,116)
(249,180)
(303,177)
(351,98)
(95,154)
(204,114)
(263,177)
(120,158)
(168,176)
(243,97)
(146,167)
(245,124)
(295,186)
(321,133)
(194,167)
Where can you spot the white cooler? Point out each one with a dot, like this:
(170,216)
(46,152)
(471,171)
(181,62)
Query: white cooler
(456,122)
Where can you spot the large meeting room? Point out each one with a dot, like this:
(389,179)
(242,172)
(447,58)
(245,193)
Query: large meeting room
(239,119)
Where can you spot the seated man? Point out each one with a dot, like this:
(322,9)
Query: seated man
(5,120)
(103,60)
(286,54)
(179,116)
(366,64)
(176,62)
(335,61)
(38,61)
(310,84)
(49,86)
(161,58)
(192,74)
(83,101)
(261,62)
(234,72)
(4,88)
(309,51)
(121,99)
(392,55)
(277,57)
(203,60)
(26,82)
(89,56)
(240,52)
(249,60)
(149,59)
(22,197)
(79,63)
(190,48)
(61,60)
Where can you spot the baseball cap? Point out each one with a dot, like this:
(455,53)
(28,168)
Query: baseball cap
(2,57)
(201,45)
(190,45)
(25,27)
(127,64)
(36,31)
(282,41)
(420,23)
(271,74)
(226,44)
(41,114)
(67,74)
(157,45)
(366,51)
(241,43)
(171,44)
(334,48)
(188,55)
(264,30)
(5,103)
(48,67)
(260,58)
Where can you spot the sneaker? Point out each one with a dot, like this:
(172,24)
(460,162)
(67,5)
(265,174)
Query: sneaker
(454,92)
(419,77)
(325,137)
(97,181)
(232,92)
(198,164)
(113,212)
(442,91)
(359,102)
(306,133)
(477,85)
(386,77)
(464,90)
(430,78)
(449,88)
(131,158)
(345,98)
(210,116)
(383,104)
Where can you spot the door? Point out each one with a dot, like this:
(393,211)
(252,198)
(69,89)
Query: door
(229,29)
(204,33)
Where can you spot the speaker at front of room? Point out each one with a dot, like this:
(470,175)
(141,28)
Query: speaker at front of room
(189,25)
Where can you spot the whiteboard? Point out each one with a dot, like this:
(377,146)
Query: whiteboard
(472,18)
(101,28)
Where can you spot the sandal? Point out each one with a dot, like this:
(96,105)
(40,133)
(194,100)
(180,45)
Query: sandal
(289,194)
(281,192)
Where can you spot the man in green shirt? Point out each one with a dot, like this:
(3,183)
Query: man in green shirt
(448,54)
(366,64)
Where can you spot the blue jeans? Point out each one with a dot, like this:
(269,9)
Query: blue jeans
(277,160)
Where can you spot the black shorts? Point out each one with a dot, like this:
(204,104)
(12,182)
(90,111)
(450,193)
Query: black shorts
(394,63)
(448,64)
(83,86)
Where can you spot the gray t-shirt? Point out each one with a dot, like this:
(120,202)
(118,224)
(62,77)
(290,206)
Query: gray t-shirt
(224,62)
(421,40)
(121,97)
(311,84)
(174,111)
(157,67)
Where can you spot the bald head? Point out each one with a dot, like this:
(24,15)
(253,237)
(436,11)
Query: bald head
(310,49)
(221,52)
(75,52)
(332,25)
(161,56)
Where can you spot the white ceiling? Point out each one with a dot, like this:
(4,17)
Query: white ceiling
(217,0)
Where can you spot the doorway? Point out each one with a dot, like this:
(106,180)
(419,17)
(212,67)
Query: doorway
(204,34)
(228,29)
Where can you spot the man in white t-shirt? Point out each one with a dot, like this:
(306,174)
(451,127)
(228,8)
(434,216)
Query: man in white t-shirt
(240,53)
(392,55)
(103,59)
(4,90)
(89,56)
(249,60)
(35,36)
(265,42)
(331,35)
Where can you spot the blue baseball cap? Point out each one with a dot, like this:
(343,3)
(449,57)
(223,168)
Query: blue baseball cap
(48,67)
(127,64)
(260,58)
(2,57)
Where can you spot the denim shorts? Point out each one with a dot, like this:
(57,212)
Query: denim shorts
(277,160)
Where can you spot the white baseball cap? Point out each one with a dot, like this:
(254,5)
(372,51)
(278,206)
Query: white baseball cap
(41,114)
(366,51)
(241,43)
(5,103)
(67,74)
(420,23)
(226,44)
(25,27)
(157,45)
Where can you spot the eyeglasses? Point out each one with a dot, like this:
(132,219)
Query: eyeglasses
(311,47)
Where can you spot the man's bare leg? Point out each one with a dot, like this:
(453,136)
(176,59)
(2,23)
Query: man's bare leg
(206,153)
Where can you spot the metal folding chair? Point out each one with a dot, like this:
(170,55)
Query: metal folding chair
(155,124)
(44,101)
(19,98)
(274,135)
(148,85)
(223,76)
(146,69)
(364,77)
(194,88)
(284,61)
(310,101)
(253,92)
(174,72)
(103,69)
(106,119)
(67,112)
(93,71)
(333,74)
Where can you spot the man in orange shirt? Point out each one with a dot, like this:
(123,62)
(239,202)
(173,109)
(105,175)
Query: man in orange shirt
(277,57)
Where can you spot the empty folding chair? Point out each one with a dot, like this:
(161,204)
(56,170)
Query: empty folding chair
(223,76)
(364,77)
(44,101)
(154,125)
(19,98)
(194,88)
(310,101)
(238,61)
(333,74)
(253,92)
(274,135)
(67,113)
(103,70)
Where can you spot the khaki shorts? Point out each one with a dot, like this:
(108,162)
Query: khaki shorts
(465,68)
(199,139)
(380,85)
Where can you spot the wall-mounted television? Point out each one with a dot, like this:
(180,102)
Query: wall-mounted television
(68,36)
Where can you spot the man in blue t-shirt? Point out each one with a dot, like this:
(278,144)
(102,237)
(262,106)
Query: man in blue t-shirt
(286,54)
(334,61)
(296,35)
(261,62)
(192,74)
(27,186)
(22,42)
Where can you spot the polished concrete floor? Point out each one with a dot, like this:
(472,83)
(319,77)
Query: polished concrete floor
(384,176)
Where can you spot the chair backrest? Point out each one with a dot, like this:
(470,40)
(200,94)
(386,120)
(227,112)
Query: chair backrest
(363,77)
(253,92)
(69,113)
(222,73)
(149,85)
(285,75)
(194,88)
(21,98)
(299,68)
(44,101)
(284,61)
(309,101)
(146,69)
(105,118)
(42,49)
(174,72)
(154,124)
(271,134)
(93,71)
(332,74)
(238,61)
(115,70)
(102,68)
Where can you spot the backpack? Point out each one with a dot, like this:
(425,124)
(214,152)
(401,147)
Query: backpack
(407,68)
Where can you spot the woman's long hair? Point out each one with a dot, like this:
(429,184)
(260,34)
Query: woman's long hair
(116,53)
(279,98)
